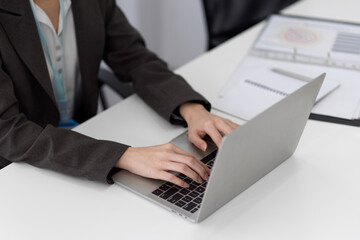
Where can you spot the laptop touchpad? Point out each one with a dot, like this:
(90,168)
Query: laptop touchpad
(183,142)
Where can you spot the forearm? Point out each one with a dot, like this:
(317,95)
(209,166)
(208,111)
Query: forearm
(60,150)
(153,81)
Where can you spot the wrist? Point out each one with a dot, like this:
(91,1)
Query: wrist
(121,163)
(188,110)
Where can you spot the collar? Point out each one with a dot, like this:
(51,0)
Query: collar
(67,4)
(43,17)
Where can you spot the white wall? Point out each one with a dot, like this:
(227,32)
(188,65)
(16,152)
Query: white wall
(174,29)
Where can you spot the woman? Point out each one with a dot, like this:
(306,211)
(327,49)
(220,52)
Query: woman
(50,51)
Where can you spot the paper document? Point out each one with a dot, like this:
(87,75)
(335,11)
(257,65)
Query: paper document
(255,86)
(330,41)
(303,47)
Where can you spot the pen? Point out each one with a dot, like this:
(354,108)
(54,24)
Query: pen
(291,74)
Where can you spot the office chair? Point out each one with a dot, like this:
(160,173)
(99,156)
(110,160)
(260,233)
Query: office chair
(107,78)
(227,18)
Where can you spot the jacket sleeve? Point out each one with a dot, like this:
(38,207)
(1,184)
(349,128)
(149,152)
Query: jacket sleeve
(50,147)
(126,54)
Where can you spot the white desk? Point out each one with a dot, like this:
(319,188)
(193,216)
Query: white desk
(313,195)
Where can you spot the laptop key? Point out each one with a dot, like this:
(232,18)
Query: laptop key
(184,191)
(192,186)
(197,184)
(187,199)
(188,180)
(180,203)
(157,192)
(182,176)
(210,164)
(209,157)
(189,206)
(174,198)
(193,194)
(194,210)
(200,189)
(164,187)
(168,193)
(198,200)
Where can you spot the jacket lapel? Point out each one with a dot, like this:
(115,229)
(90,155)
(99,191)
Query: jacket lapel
(17,20)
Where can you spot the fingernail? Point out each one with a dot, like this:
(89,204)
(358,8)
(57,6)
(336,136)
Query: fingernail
(203,147)
(206,177)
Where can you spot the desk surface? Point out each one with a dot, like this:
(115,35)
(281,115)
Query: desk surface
(313,195)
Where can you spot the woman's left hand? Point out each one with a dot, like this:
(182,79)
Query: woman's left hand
(201,122)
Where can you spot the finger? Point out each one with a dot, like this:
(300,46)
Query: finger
(176,149)
(232,124)
(196,165)
(181,151)
(214,134)
(223,126)
(197,141)
(169,177)
(184,169)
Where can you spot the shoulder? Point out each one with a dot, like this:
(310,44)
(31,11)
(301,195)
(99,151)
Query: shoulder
(105,7)
(101,4)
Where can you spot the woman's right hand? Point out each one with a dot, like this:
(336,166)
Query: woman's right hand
(156,162)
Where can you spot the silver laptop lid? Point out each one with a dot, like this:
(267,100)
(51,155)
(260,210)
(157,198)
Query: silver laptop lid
(257,147)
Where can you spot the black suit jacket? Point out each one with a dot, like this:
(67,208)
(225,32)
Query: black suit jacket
(28,110)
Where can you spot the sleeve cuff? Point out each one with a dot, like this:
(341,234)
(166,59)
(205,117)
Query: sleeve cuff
(176,117)
(112,172)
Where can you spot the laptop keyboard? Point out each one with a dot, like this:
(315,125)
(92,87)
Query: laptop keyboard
(189,198)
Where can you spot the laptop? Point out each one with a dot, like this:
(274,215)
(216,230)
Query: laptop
(245,156)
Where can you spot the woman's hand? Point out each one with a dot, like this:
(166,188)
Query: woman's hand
(156,162)
(201,122)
